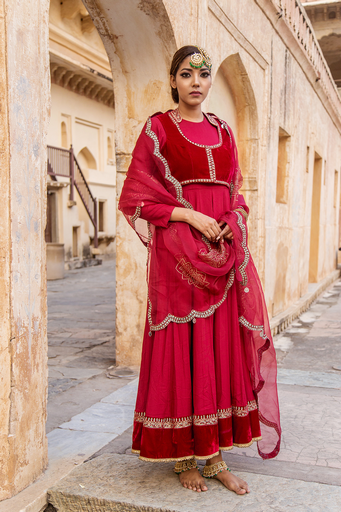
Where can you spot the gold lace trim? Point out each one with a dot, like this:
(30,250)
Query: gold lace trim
(251,327)
(243,266)
(199,457)
(135,216)
(174,118)
(205,180)
(193,314)
(241,210)
(168,174)
(198,421)
(211,164)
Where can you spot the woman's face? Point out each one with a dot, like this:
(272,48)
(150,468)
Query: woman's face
(193,84)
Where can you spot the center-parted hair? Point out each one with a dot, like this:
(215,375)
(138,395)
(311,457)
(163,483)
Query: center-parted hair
(178,57)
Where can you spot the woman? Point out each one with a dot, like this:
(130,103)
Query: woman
(208,371)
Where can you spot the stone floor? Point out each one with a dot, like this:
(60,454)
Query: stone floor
(81,337)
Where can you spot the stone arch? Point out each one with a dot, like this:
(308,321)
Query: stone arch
(232,95)
(86,159)
(139,40)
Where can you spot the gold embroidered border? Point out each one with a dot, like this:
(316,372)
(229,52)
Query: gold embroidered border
(211,164)
(243,266)
(251,327)
(199,457)
(136,215)
(197,420)
(191,274)
(205,180)
(193,314)
(241,210)
(204,421)
(168,174)
(173,116)
(162,422)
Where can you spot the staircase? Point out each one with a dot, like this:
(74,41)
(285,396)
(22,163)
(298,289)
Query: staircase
(62,162)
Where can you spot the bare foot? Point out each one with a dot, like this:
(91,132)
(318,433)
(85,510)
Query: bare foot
(192,479)
(232,482)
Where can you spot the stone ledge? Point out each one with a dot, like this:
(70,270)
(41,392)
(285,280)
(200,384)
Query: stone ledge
(122,483)
(281,321)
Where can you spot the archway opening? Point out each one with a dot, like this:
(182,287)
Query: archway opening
(232,98)
(139,42)
(86,159)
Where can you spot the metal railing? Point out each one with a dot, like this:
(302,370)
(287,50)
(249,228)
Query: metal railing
(297,19)
(62,162)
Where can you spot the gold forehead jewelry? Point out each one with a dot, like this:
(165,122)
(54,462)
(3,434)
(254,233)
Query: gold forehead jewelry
(198,60)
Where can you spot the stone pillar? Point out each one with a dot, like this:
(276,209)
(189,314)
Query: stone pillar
(24,99)
(140,58)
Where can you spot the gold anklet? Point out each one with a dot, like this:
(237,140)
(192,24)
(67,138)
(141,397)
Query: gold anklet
(185,465)
(213,469)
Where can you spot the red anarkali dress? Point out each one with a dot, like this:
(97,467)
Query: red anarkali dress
(208,370)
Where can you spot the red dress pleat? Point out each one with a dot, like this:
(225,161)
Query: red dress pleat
(195,394)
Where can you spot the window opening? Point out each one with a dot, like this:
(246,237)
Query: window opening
(315,220)
(101,215)
(282,167)
(75,236)
(64,138)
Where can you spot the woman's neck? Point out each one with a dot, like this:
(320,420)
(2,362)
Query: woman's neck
(190,113)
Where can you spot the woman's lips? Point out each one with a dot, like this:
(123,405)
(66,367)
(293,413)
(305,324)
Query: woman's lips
(195,93)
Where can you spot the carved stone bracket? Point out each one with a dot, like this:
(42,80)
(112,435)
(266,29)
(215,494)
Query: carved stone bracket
(82,82)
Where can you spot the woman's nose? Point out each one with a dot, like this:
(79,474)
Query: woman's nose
(196,80)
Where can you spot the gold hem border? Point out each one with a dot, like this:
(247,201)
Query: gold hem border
(206,457)
(199,457)
(146,459)
(255,439)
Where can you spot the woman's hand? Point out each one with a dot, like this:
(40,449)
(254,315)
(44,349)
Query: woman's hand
(203,223)
(226,231)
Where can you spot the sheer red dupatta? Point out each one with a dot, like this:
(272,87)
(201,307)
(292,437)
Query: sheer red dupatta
(190,278)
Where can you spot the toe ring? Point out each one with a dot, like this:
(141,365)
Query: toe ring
(213,469)
(185,465)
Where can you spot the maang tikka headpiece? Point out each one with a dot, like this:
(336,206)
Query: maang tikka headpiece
(198,60)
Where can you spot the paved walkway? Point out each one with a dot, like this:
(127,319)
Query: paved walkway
(81,337)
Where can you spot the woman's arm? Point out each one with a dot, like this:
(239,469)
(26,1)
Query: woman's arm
(203,223)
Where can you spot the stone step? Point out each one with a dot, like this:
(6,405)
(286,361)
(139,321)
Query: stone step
(122,483)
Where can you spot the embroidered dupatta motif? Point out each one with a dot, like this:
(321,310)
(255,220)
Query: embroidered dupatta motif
(188,277)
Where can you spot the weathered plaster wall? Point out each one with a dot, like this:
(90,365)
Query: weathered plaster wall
(288,226)
(89,124)
(5,332)
(270,91)
(24,97)
(145,36)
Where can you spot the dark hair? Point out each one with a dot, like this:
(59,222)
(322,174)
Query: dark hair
(178,57)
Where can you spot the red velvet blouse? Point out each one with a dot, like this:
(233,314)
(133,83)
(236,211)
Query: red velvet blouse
(196,153)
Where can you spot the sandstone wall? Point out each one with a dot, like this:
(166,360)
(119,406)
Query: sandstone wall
(275,93)
(24,98)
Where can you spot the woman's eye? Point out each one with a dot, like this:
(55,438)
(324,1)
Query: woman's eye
(185,75)
(205,74)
